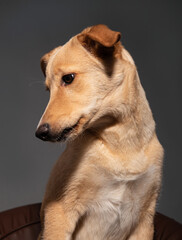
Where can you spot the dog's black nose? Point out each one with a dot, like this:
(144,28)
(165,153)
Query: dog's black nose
(43,132)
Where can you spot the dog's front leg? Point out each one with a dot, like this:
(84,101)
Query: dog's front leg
(145,228)
(59,222)
(144,231)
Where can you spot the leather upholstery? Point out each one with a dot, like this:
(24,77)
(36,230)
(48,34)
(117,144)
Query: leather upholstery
(167,228)
(23,223)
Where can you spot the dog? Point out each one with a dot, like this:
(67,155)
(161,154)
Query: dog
(106,183)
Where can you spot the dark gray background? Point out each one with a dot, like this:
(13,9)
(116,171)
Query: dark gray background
(151,31)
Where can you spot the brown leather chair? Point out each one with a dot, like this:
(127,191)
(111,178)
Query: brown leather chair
(23,223)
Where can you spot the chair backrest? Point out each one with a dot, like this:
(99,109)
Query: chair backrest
(22,223)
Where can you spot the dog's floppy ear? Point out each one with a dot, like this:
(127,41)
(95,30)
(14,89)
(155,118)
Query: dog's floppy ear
(99,34)
(44,60)
(103,43)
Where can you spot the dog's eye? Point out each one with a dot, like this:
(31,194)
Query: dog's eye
(68,78)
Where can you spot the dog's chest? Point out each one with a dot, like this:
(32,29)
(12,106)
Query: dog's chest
(109,216)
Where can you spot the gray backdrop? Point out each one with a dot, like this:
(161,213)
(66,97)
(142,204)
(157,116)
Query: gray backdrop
(151,31)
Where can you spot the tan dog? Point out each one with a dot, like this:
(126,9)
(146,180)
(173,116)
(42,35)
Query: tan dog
(105,184)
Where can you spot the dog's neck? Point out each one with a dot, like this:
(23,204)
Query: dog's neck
(123,137)
(132,128)
(131,131)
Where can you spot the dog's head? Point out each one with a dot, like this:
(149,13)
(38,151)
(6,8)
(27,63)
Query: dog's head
(80,76)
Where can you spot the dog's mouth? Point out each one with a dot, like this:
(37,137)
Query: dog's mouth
(70,133)
(66,132)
